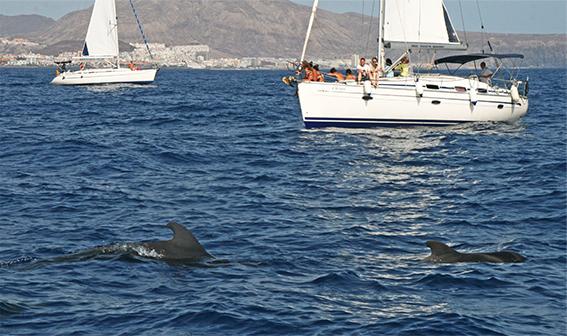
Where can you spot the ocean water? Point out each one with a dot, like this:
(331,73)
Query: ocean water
(316,232)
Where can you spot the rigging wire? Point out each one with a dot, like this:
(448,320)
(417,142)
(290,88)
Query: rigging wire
(141,30)
(483,29)
(406,43)
(463,22)
(362,27)
(370,26)
(419,34)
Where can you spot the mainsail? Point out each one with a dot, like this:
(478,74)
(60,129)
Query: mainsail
(102,36)
(419,24)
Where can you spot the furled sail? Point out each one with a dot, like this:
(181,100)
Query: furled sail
(102,36)
(419,24)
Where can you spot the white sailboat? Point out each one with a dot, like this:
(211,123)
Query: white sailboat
(420,98)
(101,43)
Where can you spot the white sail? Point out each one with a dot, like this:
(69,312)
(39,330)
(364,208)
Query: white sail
(102,36)
(419,24)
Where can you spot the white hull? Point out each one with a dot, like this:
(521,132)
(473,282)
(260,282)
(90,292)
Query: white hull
(445,100)
(105,76)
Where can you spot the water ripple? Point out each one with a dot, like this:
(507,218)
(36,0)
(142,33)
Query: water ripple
(317,232)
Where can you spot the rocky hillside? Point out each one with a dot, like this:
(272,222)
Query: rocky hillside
(22,25)
(236,28)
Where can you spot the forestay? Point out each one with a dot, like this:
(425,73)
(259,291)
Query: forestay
(102,36)
(419,24)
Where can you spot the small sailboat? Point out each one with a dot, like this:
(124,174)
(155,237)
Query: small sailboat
(101,44)
(418,98)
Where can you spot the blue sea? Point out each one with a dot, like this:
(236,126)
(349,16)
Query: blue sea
(315,231)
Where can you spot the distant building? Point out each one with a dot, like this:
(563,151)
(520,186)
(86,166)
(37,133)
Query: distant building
(355,60)
(29,59)
(182,55)
(18,42)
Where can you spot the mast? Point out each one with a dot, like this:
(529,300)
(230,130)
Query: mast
(381,35)
(313,12)
(117,40)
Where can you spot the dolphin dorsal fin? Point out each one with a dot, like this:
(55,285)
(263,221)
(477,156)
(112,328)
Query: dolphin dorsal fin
(438,248)
(183,237)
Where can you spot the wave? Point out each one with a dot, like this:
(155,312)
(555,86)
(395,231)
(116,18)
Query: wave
(123,251)
(447,280)
(440,323)
(12,308)
(17,261)
(346,281)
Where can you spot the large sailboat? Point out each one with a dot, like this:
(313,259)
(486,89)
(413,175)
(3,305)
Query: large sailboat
(420,98)
(101,44)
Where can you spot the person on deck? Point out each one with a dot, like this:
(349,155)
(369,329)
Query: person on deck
(338,76)
(363,70)
(318,76)
(375,71)
(390,72)
(308,69)
(485,74)
(404,67)
(349,75)
(300,70)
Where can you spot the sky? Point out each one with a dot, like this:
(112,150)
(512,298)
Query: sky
(499,16)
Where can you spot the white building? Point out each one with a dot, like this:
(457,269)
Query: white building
(184,55)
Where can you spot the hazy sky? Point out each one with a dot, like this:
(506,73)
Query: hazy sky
(503,16)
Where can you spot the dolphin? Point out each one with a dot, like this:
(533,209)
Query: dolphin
(182,247)
(441,253)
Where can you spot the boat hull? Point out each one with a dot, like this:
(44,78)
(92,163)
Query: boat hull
(105,76)
(433,101)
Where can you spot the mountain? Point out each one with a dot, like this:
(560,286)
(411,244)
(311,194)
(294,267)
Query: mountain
(545,50)
(21,25)
(239,28)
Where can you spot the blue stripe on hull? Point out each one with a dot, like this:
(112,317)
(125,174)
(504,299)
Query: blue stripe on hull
(368,123)
(103,84)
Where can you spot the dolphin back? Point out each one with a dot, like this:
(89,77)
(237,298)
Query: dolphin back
(441,253)
(508,256)
(182,247)
(185,242)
